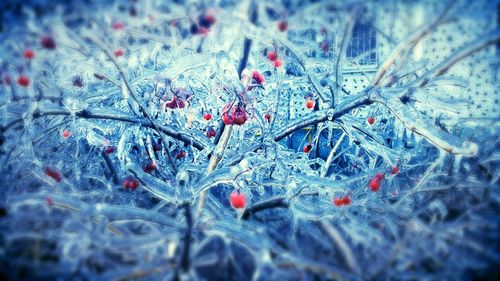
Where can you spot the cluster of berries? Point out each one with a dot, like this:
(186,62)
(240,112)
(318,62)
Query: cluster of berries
(234,114)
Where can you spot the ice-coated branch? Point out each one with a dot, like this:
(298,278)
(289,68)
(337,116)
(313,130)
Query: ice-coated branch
(187,237)
(105,115)
(419,124)
(316,117)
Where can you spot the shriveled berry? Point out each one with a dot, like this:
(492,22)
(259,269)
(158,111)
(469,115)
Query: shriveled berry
(53,173)
(23,80)
(309,103)
(238,199)
(48,42)
(370,120)
(29,54)
(207,116)
(207,20)
(211,132)
(78,81)
(150,167)
(109,149)
(272,56)
(156,147)
(267,116)
(180,154)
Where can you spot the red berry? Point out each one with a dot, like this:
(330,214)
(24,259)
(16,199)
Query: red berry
(203,30)
(309,103)
(307,148)
(23,80)
(117,25)
(66,133)
(237,199)
(29,54)
(371,120)
(53,173)
(346,200)
(207,116)
(131,183)
(150,167)
(338,201)
(374,183)
(395,170)
(259,78)
(208,20)
(282,26)
(277,63)
(109,149)
(267,116)
(118,53)
(48,42)
(180,154)
(272,56)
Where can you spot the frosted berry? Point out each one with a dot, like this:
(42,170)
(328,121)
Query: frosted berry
(207,20)
(77,81)
(346,200)
(282,26)
(131,183)
(309,103)
(118,53)
(237,199)
(272,56)
(374,183)
(277,63)
(29,54)
(207,116)
(66,133)
(180,154)
(370,120)
(53,173)
(203,30)
(117,25)
(23,80)
(258,78)
(337,201)
(307,148)
(48,42)
(109,149)
(150,167)
(395,170)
